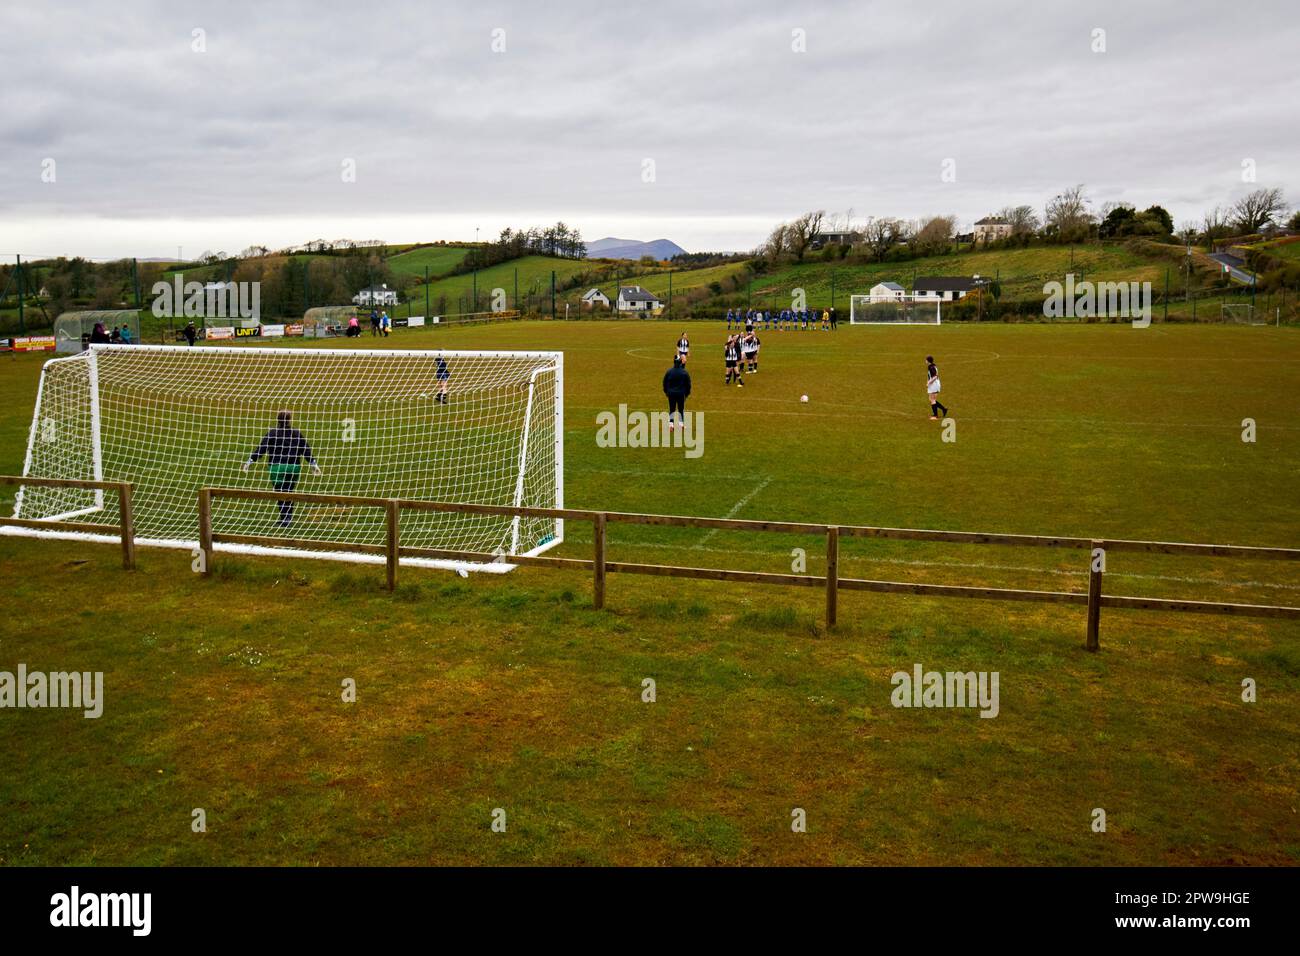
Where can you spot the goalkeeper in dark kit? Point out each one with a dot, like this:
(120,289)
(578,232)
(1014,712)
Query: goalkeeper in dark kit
(285,448)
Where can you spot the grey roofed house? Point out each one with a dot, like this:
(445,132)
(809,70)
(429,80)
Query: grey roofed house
(992,221)
(635,298)
(821,239)
(891,286)
(946,287)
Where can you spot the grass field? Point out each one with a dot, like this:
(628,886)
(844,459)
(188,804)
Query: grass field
(512,692)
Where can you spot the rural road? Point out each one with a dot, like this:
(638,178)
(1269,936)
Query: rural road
(1234,264)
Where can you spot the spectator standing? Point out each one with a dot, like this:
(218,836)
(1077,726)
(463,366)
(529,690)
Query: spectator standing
(677,386)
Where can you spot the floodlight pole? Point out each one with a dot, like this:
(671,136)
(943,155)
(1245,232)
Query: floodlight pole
(22,327)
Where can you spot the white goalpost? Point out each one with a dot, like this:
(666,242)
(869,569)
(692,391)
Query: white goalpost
(1239,313)
(904,309)
(472,427)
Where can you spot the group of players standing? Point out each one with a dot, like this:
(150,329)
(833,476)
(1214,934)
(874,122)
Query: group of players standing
(740,355)
(771,320)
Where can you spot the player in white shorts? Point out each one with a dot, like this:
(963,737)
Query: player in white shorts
(683,348)
(749,347)
(932,389)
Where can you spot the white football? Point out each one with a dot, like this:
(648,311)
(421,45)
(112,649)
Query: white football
(804,399)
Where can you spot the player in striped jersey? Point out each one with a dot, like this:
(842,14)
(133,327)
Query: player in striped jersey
(683,347)
(749,350)
(731,357)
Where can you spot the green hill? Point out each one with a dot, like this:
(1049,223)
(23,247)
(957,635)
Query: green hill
(682,281)
(439,260)
(1020,273)
(533,275)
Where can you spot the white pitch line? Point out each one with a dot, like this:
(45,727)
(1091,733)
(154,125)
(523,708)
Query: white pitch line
(735,510)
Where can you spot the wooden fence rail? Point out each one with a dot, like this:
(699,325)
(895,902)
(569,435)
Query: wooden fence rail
(600,566)
(124,529)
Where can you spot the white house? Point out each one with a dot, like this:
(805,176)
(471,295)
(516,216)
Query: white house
(886,291)
(946,288)
(376,295)
(991,228)
(594,297)
(633,298)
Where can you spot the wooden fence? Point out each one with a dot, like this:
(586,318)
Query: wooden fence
(600,566)
(124,529)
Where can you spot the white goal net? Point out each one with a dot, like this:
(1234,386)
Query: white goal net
(457,426)
(894,310)
(1239,313)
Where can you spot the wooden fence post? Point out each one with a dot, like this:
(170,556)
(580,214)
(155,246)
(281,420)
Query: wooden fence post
(598,565)
(832,574)
(127,521)
(205,529)
(392,514)
(1096,566)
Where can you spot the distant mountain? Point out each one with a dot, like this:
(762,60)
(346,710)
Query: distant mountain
(611,248)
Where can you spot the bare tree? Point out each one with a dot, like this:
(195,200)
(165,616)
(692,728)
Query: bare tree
(1022,219)
(1256,210)
(881,235)
(1068,218)
(1214,224)
(777,243)
(799,234)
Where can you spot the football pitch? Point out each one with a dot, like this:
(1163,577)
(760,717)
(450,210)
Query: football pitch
(511,693)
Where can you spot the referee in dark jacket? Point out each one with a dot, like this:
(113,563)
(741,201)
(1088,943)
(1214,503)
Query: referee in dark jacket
(677,386)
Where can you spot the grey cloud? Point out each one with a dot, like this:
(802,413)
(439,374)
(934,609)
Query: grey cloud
(738,125)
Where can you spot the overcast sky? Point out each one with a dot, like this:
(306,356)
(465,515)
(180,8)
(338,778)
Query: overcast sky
(160,139)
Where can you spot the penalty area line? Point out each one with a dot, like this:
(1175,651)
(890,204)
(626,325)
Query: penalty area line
(735,510)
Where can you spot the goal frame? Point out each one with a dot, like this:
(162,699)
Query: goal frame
(906,299)
(498,565)
(1228,312)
